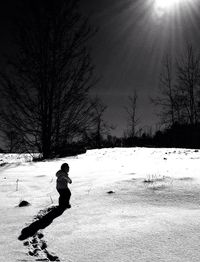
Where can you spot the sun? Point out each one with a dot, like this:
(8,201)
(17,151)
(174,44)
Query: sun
(162,7)
(165,4)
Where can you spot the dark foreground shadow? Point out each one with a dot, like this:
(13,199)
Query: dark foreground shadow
(42,220)
(37,246)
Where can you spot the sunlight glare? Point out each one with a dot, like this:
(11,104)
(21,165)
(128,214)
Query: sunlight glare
(162,7)
(165,4)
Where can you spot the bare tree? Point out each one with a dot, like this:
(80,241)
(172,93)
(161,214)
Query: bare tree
(167,100)
(179,89)
(188,79)
(98,126)
(131,110)
(45,87)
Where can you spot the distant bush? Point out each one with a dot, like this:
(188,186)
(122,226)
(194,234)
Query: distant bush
(71,150)
(179,135)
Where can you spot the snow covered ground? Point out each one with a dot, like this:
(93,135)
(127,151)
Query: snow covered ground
(152,213)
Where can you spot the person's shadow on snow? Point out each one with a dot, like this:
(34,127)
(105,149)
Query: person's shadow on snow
(42,220)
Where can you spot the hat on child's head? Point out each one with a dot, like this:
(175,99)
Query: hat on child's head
(64,166)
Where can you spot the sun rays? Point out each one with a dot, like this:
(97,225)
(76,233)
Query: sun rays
(162,7)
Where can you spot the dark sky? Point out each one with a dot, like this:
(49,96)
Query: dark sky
(133,37)
(127,51)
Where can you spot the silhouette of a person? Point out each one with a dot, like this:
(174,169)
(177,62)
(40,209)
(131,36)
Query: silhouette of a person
(62,186)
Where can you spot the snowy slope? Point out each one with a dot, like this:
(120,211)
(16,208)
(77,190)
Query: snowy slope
(153,214)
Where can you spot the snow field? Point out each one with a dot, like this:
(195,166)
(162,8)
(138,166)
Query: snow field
(153,214)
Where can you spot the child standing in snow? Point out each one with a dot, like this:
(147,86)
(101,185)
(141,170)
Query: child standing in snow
(62,186)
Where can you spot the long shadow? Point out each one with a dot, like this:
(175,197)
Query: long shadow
(41,221)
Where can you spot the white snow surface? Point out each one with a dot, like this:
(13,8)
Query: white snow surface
(152,215)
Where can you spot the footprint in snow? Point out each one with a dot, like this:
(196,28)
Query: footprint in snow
(37,246)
